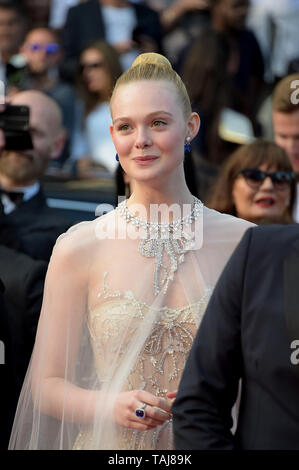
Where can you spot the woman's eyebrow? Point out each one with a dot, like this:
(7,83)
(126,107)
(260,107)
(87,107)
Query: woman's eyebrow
(154,113)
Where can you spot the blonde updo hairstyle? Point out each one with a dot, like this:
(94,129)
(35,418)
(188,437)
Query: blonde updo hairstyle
(153,66)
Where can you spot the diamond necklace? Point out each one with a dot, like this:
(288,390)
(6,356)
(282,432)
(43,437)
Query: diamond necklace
(177,243)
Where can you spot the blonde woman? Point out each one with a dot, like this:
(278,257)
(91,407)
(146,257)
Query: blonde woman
(125,293)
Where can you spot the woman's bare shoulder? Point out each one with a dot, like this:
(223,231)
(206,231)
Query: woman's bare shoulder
(222,226)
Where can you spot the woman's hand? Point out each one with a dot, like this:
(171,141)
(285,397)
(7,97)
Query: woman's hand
(172,14)
(124,46)
(157,410)
(172,395)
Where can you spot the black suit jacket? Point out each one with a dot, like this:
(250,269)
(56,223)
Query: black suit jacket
(84,25)
(5,379)
(36,227)
(27,237)
(20,306)
(246,333)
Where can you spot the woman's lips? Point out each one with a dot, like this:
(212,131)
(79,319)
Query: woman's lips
(145,160)
(266,202)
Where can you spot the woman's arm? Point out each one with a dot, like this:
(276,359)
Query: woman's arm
(59,339)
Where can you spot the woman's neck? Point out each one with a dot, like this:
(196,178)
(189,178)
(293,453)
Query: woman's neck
(150,197)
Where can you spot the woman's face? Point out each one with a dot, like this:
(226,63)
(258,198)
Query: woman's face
(94,71)
(264,202)
(149,129)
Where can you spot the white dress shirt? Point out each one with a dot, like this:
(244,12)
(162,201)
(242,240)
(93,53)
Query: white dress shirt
(296,205)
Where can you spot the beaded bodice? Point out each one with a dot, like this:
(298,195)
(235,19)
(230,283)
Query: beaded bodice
(159,364)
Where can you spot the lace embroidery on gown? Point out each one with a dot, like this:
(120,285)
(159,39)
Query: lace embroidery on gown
(160,363)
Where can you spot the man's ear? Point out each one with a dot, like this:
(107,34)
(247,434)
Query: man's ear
(58,144)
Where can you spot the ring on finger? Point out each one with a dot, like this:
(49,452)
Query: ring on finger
(140,411)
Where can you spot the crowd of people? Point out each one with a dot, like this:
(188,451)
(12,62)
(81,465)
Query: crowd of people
(187,104)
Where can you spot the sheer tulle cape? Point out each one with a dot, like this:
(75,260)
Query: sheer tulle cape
(102,330)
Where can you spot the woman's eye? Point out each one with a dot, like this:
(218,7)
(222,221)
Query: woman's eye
(158,123)
(124,127)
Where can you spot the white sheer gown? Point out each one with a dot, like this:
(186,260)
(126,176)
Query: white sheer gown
(103,329)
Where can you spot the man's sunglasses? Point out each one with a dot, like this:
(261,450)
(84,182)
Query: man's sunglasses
(254,177)
(91,66)
(49,49)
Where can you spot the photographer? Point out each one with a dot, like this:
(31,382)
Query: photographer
(22,201)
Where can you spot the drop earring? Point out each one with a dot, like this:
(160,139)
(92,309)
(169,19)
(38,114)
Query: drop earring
(187,146)
(116,157)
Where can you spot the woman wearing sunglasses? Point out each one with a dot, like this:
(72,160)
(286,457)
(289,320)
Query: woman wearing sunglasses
(257,184)
(99,68)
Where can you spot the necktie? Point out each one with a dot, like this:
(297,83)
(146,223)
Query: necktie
(14,196)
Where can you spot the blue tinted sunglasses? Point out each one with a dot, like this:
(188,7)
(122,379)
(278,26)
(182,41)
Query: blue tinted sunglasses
(49,49)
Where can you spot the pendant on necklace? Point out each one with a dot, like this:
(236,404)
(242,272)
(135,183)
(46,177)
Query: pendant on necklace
(164,240)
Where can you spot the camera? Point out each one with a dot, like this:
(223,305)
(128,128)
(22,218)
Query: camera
(14,121)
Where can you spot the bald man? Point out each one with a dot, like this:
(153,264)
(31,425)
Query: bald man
(36,226)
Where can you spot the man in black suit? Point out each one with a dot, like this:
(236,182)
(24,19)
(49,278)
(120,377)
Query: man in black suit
(20,304)
(28,231)
(250,332)
(4,376)
(35,225)
(93,20)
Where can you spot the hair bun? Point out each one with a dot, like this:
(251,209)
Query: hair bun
(152,58)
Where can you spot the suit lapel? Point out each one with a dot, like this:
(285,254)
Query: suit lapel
(37,202)
(33,207)
(94,19)
(291,292)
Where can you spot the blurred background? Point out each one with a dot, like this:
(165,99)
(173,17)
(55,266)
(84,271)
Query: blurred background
(230,54)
